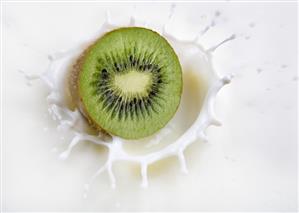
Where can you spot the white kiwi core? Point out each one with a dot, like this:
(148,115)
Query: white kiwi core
(133,82)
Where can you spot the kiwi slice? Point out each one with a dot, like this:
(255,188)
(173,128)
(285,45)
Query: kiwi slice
(128,83)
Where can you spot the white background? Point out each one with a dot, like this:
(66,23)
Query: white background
(250,163)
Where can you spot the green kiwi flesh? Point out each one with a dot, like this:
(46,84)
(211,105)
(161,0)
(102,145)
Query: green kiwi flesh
(129,82)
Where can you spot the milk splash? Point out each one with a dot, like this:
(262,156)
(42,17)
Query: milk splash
(72,120)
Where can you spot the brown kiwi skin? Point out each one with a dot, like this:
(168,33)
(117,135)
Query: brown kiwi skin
(74,88)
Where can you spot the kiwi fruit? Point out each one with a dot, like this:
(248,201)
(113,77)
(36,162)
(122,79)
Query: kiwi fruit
(128,83)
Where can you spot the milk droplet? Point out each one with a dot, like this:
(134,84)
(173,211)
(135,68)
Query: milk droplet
(217,13)
(64,155)
(251,24)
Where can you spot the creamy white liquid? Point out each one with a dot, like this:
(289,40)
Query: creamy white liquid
(195,114)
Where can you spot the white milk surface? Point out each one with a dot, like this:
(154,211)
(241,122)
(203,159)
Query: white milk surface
(248,164)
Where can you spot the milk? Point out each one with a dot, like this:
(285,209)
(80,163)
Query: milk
(248,164)
(195,114)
